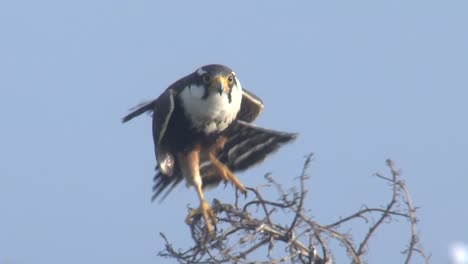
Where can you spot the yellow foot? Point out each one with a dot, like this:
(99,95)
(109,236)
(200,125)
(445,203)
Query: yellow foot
(207,213)
(226,174)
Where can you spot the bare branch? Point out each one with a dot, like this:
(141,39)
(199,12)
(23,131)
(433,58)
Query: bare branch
(243,229)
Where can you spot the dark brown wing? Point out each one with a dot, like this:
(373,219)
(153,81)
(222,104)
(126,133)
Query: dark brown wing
(163,184)
(251,107)
(138,110)
(168,174)
(246,146)
(162,109)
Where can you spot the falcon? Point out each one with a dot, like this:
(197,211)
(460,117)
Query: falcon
(202,133)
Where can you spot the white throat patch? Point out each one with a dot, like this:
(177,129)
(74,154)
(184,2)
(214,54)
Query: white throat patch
(214,113)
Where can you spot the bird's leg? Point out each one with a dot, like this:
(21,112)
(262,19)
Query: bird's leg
(220,168)
(205,210)
(190,166)
(225,173)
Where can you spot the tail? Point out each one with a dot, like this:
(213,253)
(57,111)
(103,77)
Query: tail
(138,110)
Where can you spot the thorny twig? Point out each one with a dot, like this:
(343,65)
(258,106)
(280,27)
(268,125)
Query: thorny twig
(243,229)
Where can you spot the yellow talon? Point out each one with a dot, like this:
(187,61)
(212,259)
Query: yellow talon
(207,214)
(225,173)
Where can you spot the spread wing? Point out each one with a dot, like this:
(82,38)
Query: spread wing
(162,109)
(246,146)
(138,110)
(251,107)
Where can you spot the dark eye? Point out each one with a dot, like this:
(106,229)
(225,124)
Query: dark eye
(230,79)
(206,78)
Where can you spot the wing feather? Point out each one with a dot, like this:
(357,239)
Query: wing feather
(138,110)
(251,106)
(163,108)
(246,144)
(163,184)
(250,145)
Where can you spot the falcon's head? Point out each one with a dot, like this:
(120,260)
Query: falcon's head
(216,78)
(212,98)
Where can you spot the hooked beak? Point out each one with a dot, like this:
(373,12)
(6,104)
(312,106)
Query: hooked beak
(220,89)
(219,84)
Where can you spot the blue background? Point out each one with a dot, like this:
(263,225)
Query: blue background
(361,81)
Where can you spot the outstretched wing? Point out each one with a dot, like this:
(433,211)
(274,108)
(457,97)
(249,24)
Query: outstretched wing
(251,107)
(138,110)
(246,146)
(162,109)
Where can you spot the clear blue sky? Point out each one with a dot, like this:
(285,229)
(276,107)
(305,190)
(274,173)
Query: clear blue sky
(361,81)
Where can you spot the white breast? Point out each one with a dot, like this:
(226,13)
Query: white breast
(213,114)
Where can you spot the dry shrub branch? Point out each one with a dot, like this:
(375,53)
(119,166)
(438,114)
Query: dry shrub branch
(248,233)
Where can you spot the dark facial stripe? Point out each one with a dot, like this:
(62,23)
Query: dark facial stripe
(206,93)
(229,95)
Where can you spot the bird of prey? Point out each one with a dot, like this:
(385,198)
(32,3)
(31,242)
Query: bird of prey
(202,133)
